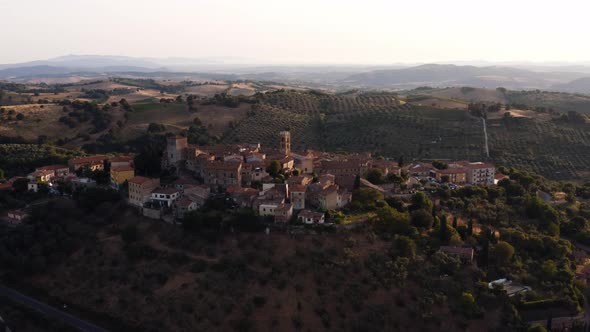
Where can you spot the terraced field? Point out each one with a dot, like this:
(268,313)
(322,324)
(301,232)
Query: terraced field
(554,149)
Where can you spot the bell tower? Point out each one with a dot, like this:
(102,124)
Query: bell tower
(285,142)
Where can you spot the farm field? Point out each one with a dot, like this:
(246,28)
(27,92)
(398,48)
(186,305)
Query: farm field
(217,119)
(39,120)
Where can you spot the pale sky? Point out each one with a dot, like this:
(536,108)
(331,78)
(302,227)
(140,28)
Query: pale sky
(299,31)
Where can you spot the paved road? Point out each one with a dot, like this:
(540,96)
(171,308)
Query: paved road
(50,311)
(485,135)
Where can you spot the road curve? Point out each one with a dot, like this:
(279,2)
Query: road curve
(50,311)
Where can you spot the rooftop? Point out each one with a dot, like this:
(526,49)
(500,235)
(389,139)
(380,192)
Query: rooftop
(51,167)
(165,191)
(140,179)
(124,168)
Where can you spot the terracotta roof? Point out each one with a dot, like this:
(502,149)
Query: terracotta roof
(184,202)
(89,159)
(139,179)
(310,214)
(123,168)
(457,170)
(221,165)
(500,176)
(298,188)
(121,158)
(41,172)
(51,167)
(331,189)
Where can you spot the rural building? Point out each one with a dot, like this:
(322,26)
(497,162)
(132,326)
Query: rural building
(164,197)
(184,205)
(33,186)
(283,212)
(310,217)
(297,196)
(120,174)
(5,186)
(479,172)
(58,170)
(41,176)
(198,194)
(222,174)
(121,161)
(451,174)
(140,189)
(92,162)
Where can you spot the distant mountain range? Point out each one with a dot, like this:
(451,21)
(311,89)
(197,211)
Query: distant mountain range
(568,78)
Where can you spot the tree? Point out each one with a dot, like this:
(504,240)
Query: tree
(444,230)
(400,161)
(470,227)
(197,122)
(421,202)
(20,116)
(2,174)
(274,168)
(357,182)
(404,246)
(503,252)
(422,219)
(375,176)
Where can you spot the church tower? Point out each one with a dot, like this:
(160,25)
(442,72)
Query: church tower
(285,142)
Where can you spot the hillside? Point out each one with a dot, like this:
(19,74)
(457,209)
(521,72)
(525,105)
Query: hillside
(438,75)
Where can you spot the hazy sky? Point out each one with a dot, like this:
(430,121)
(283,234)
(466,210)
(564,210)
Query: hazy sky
(299,31)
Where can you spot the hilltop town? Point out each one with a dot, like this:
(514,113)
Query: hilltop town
(278,184)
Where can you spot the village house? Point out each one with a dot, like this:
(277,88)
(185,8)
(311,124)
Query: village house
(283,213)
(164,197)
(16,217)
(140,189)
(479,172)
(59,171)
(118,161)
(352,167)
(41,176)
(328,198)
(243,197)
(220,174)
(303,162)
(464,254)
(120,174)
(268,207)
(451,174)
(297,196)
(299,180)
(184,205)
(94,163)
(198,194)
(310,217)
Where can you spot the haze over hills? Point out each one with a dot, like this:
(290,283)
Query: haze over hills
(556,77)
